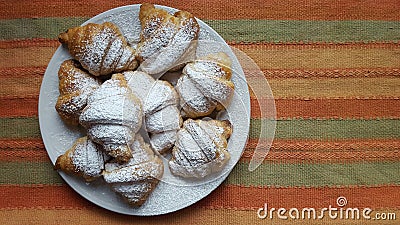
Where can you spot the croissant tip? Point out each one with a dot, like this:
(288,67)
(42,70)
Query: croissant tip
(57,165)
(146,4)
(63,37)
(227,123)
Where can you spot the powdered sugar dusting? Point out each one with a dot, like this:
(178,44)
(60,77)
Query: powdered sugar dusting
(75,85)
(163,141)
(192,100)
(165,41)
(112,115)
(87,158)
(165,119)
(204,84)
(99,48)
(134,179)
(159,100)
(198,152)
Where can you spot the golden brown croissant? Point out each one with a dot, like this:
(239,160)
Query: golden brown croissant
(84,159)
(100,48)
(112,117)
(136,179)
(165,38)
(160,101)
(205,85)
(200,148)
(75,85)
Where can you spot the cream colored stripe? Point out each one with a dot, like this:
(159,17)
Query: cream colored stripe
(305,57)
(376,87)
(191,215)
(266,56)
(23,57)
(335,87)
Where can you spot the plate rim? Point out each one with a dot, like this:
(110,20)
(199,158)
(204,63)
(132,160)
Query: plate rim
(66,177)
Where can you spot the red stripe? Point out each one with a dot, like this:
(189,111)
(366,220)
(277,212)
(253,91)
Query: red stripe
(335,145)
(212,9)
(326,108)
(21,143)
(44,42)
(22,71)
(26,107)
(227,197)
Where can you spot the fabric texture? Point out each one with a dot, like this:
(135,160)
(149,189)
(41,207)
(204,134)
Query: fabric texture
(334,70)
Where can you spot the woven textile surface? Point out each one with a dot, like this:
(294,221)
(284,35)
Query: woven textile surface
(334,70)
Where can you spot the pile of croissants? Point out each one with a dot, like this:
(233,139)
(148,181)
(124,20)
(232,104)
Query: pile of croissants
(105,89)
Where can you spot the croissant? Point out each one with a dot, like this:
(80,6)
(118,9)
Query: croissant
(75,85)
(205,85)
(100,48)
(164,38)
(200,148)
(112,117)
(160,101)
(137,178)
(84,159)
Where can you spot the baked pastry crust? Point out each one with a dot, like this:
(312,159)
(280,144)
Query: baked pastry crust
(201,148)
(137,178)
(84,159)
(75,85)
(165,39)
(205,85)
(100,48)
(112,117)
(160,106)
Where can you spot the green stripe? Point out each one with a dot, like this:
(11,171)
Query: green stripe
(37,28)
(24,173)
(306,31)
(268,174)
(19,127)
(328,129)
(316,175)
(319,129)
(235,30)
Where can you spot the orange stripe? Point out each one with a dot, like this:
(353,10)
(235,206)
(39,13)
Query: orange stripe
(43,42)
(328,108)
(364,155)
(221,9)
(281,150)
(268,56)
(190,215)
(227,197)
(21,143)
(321,45)
(293,151)
(334,145)
(326,73)
(35,42)
(22,71)
(18,107)
(19,150)
(255,197)
(311,57)
(286,108)
(24,155)
(329,156)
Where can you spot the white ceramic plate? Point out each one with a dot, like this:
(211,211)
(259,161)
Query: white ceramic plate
(172,193)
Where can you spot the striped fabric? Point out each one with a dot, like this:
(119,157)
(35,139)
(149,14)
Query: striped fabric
(334,69)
